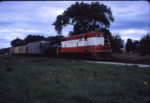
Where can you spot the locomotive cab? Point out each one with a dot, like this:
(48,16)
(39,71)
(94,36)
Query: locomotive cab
(102,49)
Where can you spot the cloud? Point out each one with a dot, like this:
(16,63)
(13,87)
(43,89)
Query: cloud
(4,43)
(132,31)
(130,14)
(18,19)
(20,30)
(48,12)
(135,34)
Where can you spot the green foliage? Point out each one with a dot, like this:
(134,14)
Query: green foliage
(28,39)
(141,46)
(116,43)
(136,46)
(84,18)
(129,46)
(145,45)
(54,42)
(45,80)
(33,38)
(17,42)
(132,46)
(106,32)
(54,39)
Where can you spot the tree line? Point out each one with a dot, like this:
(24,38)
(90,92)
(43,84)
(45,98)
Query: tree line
(33,38)
(141,46)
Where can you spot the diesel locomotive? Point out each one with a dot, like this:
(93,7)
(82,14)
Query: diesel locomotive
(94,45)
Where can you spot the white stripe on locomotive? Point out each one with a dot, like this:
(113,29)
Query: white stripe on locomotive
(92,41)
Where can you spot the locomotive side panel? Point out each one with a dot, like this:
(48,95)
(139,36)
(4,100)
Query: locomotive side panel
(81,45)
(91,44)
(94,41)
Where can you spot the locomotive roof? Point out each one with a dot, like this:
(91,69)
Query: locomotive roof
(87,35)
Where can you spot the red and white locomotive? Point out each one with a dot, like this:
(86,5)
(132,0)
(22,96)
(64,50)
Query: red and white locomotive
(89,45)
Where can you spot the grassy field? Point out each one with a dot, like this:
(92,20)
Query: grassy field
(45,80)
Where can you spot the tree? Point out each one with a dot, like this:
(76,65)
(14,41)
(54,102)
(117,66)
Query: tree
(17,42)
(116,43)
(132,46)
(106,31)
(145,45)
(129,46)
(84,18)
(54,39)
(136,46)
(32,38)
(54,42)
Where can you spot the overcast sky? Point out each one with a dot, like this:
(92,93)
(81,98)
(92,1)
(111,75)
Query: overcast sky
(18,19)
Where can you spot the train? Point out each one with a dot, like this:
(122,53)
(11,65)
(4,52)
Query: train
(93,45)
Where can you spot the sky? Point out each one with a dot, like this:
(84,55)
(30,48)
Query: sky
(19,19)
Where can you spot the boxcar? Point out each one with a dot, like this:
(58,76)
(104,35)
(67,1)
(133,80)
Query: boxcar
(36,47)
(5,51)
(23,49)
(11,50)
(16,50)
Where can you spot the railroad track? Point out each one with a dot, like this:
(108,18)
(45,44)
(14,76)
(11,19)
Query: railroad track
(123,64)
(111,63)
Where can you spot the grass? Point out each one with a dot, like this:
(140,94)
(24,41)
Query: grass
(45,80)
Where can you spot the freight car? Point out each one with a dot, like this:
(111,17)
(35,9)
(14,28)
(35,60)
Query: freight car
(19,50)
(93,45)
(15,50)
(23,49)
(5,51)
(11,50)
(33,48)
(37,48)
